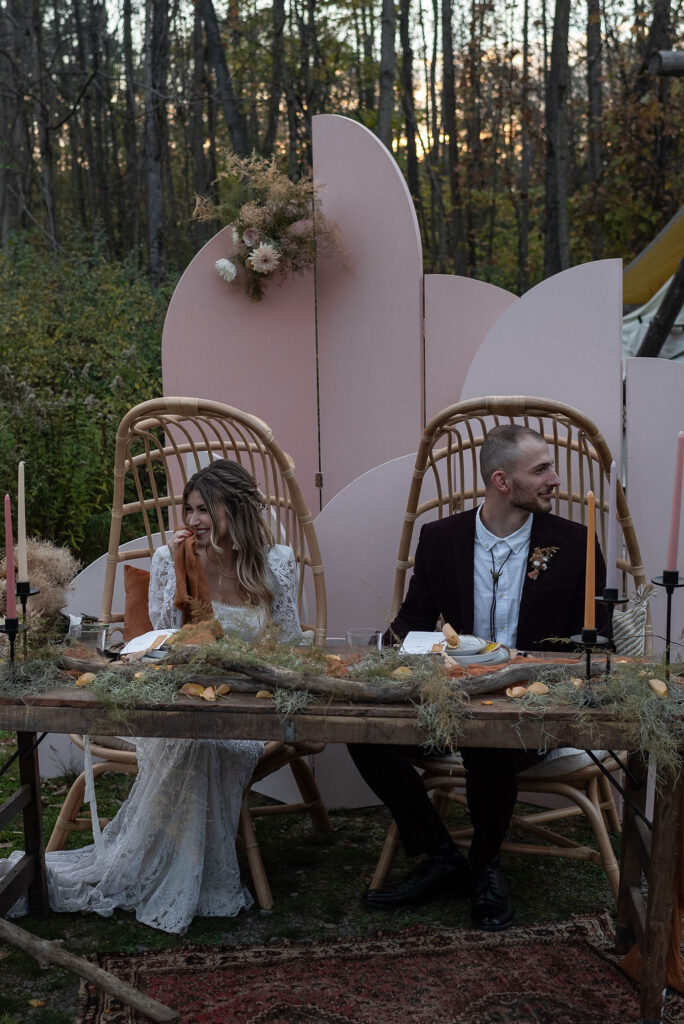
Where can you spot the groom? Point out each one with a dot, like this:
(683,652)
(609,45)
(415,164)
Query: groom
(512,572)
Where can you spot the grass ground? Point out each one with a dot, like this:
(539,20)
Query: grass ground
(317,882)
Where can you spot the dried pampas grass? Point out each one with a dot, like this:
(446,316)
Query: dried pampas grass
(51,570)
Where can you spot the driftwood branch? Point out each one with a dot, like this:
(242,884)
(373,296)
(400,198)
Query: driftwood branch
(384,692)
(51,953)
(257,674)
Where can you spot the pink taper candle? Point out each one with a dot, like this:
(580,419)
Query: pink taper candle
(611,544)
(590,574)
(673,545)
(11,612)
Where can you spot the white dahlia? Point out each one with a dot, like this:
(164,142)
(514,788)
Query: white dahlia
(226,270)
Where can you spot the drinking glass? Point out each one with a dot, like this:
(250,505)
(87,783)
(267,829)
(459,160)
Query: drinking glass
(91,635)
(361,642)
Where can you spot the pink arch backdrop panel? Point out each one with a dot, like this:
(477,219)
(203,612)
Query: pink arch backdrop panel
(655,415)
(369,315)
(359,532)
(257,356)
(561,340)
(458,314)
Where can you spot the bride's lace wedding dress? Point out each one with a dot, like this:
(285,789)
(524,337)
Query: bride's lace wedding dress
(169,854)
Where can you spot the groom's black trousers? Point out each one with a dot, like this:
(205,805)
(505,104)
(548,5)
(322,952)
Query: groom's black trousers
(491,790)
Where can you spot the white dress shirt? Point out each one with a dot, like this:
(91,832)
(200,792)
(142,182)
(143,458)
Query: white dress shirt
(509,556)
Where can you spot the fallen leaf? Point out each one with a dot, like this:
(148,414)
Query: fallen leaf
(36,1002)
(264,693)
(516,692)
(222,690)
(487,702)
(658,687)
(192,689)
(209,693)
(537,687)
(402,672)
(85,679)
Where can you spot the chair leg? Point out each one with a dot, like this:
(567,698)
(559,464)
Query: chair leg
(386,857)
(610,813)
(68,820)
(311,796)
(595,818)
(256,864)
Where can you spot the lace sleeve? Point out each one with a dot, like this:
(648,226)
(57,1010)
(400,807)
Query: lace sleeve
(285,613)
(163,614)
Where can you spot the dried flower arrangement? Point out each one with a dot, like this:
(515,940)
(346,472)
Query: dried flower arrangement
(51,570)
(278,226)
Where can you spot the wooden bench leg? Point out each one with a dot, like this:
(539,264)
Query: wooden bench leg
(665,853)
(29,775)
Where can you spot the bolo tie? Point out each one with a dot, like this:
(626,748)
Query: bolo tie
(495,574)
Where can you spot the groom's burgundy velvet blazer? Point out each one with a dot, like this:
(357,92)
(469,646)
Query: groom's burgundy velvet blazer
(551,606)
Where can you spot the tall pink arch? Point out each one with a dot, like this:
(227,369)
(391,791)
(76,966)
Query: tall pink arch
(370,315)
(257,356)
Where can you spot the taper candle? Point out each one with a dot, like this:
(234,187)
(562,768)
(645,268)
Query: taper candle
(611,544)
(675,518)
(590,570)
(11,612)
(22,560)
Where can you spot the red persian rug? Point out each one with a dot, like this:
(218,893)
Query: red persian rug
(547,974)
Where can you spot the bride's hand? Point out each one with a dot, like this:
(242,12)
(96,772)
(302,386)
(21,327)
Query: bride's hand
(178,537)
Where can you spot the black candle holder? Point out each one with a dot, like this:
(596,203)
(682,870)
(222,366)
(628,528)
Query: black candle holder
(611,597)
(23,591)
(589,640)
(11,627)
(671,581)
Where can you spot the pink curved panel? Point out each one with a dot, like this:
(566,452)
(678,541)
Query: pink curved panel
(257,356)
(359,532)
(369,315)
(655,415)
(561,340)
(458,314)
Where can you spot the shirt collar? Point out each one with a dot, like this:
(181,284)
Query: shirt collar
(515,541)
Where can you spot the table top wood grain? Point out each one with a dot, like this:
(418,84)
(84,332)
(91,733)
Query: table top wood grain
(501,723)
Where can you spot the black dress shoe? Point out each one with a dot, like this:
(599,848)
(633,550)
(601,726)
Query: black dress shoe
(492,909)
(445,874)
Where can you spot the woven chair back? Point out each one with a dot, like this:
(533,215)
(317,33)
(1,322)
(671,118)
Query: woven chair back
(446,477)
(161,443)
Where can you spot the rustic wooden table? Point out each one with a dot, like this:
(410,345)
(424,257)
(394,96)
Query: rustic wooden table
(499,724)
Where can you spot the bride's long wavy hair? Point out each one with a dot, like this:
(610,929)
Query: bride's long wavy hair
(226,487)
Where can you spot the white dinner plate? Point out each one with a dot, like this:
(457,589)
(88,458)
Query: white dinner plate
(418,642)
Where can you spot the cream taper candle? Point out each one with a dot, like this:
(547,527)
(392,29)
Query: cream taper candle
(22,560)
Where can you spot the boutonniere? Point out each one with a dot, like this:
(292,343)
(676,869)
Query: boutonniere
(539,560)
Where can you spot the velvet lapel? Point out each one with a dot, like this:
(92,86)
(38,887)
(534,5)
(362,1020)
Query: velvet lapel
(459,567)
(541,536)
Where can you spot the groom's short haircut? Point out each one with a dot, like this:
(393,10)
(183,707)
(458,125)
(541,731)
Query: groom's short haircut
(500,448)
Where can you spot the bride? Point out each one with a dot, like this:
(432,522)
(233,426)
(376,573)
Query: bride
(169,854)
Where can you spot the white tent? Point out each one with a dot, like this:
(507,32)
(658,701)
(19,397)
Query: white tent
(635,326)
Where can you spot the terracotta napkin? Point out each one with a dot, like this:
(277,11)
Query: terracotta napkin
(191,583)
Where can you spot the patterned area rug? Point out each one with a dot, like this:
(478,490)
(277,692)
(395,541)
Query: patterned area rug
(547,974)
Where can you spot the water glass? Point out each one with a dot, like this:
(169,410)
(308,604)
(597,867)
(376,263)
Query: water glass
(90,635)
(361,642)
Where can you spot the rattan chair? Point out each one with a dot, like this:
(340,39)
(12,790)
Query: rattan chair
(448,458)
(159,445)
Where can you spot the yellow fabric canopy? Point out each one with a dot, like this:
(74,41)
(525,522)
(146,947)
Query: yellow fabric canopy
(654,264)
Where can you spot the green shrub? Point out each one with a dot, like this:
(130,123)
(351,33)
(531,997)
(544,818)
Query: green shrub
(80,343)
